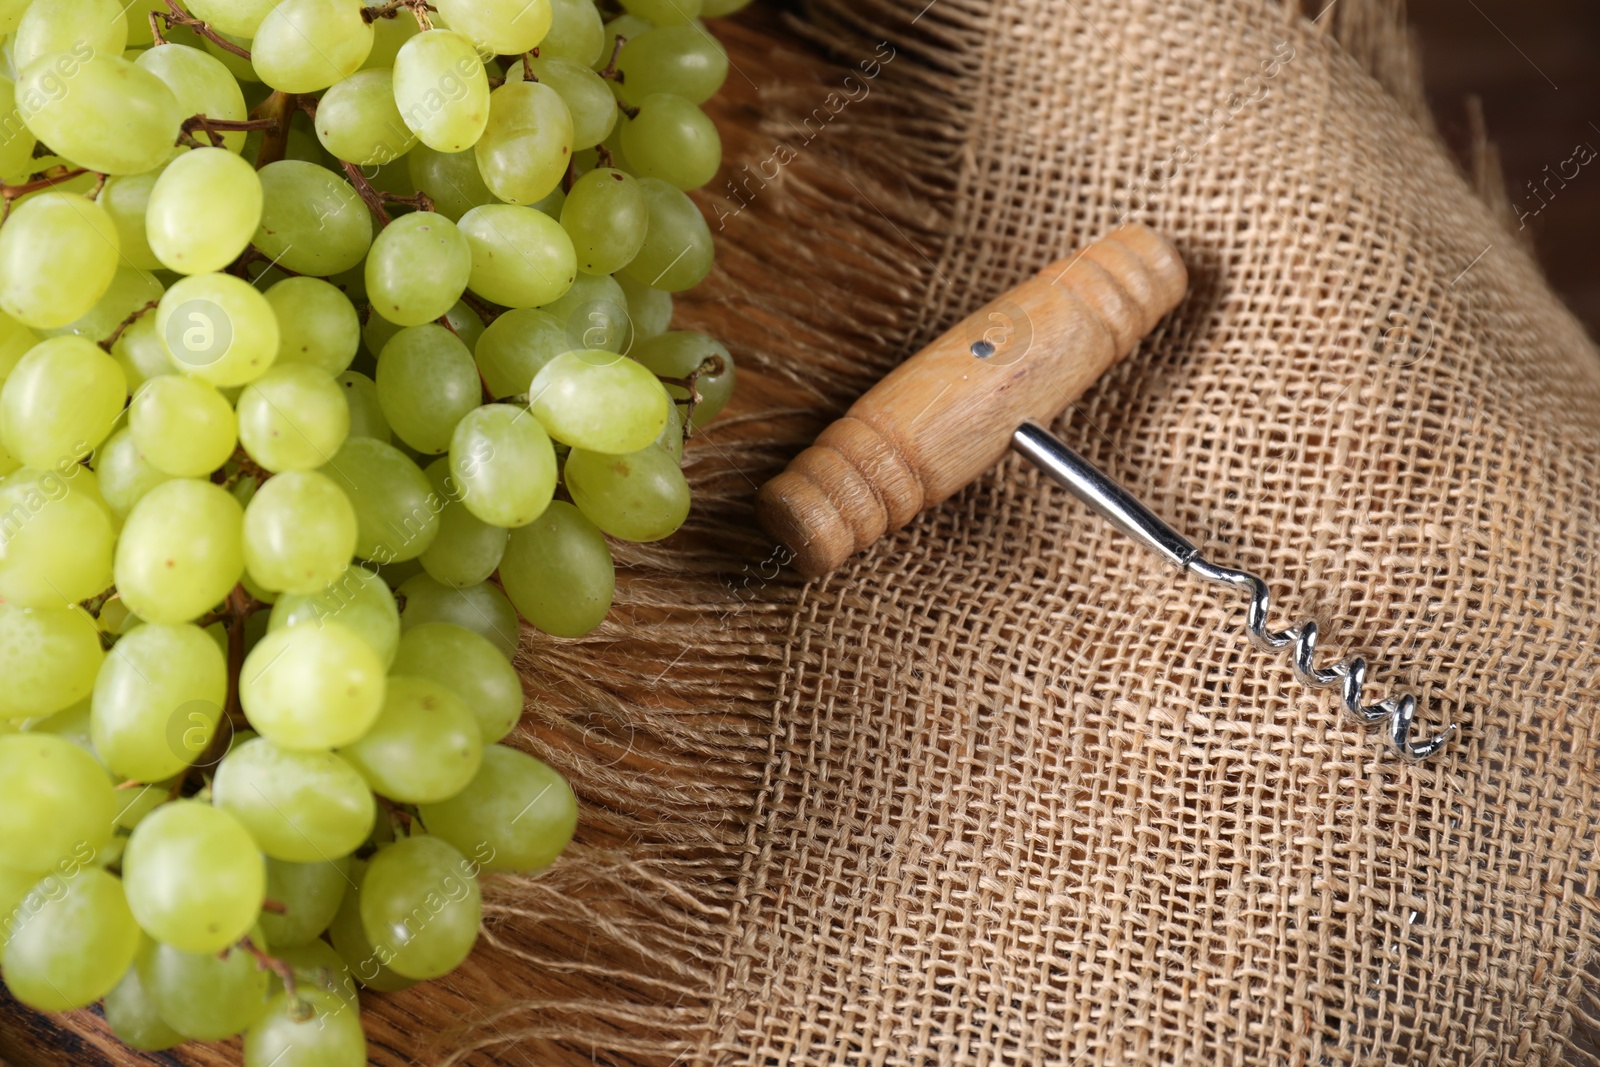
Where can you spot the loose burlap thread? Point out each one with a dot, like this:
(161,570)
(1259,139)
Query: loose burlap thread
(1004,790)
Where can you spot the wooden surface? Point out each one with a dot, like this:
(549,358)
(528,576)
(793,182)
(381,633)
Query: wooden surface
(947,414)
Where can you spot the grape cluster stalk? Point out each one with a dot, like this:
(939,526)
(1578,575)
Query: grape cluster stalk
(334,337)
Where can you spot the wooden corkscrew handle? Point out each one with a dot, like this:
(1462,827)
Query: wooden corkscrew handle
(943,417)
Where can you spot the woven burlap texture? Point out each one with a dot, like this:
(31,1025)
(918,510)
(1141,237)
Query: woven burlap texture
(1005,790)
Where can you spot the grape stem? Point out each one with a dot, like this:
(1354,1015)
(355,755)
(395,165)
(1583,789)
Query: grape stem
(394,7)
(274,907)
(374,198)
(176,16)
(527,66)
(610,72)
(712,365)
(486,311)
(275,142)
(628,110)
(214,128)
(240,268)
(398,815)
(11,192)
(265,962)
(122,326)
(602,156)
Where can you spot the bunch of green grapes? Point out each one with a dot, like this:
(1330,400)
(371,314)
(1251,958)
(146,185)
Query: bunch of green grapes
(333,337)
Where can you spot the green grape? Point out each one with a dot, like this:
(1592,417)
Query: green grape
(48,657)
(303,46)
(312,221)
(314,1029)
(15,341)
(310,894)
(135,804)
(558,572)
(428,874)
(605,215)
(299,533)
(317,324)
(521,808)
(390,35)
(203,85)
(683,60)
(424,747)
(469,666)
(516,345)
(56,803)
(366,412)
(397,289)
(467,323)
(671,439)
(218,328)
(442,90)
(237,65)
(682,352)
(649,310)
(626,26)
(595,312)
(599,401)
(70,724)
(358,122)
(527,144)
(396,515)
(577,33)
(358,600)
(482,608)
(14,886)
(202,995)
(82,27)
(520,256)
(203,211)
(501,27)
(193,877)
(157,701)
(16,143)
(302,807)
(450,179)
(183,425)
(131,1011)
(180,551)
(316,964)
(638,497)
(677,250)
(293,418)
(467,549)
(125,474)
(377,333)
(673,140)
(130,291)
(141,353)
(58,254)
(588,97)
(663,12)
(60,402)
(126,199)
(504,463)
(242,18)
(427,383)
(117,119)
(55,539)
(349,938)
(72,943)
(308,687)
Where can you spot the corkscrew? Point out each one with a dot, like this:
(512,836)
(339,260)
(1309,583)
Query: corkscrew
(949,413)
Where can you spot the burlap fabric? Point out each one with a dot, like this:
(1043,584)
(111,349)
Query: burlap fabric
(1005,791)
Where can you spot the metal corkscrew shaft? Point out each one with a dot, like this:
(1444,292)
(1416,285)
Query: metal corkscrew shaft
(1124,511)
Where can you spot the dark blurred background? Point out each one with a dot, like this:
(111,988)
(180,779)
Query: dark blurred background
(1534,65)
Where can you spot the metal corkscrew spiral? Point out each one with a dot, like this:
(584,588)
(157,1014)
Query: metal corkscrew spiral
(1086,482)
